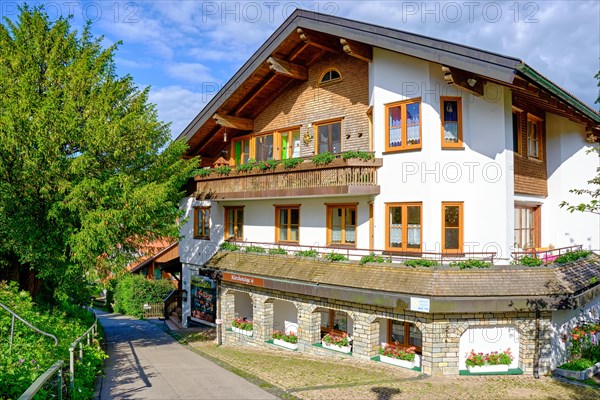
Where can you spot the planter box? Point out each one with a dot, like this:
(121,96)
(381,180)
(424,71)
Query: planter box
(397,361)
(241,331)
(287,345)
(342,349)
(488,368)
(579,375)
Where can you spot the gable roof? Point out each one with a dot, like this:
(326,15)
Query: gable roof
(500,68)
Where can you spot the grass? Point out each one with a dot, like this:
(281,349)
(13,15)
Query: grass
(294,375)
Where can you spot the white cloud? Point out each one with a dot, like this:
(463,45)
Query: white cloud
(190,72)
(177,105)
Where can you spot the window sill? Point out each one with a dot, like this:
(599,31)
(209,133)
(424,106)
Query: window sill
(456,147)
(202,237)
(534,159)
(402,150)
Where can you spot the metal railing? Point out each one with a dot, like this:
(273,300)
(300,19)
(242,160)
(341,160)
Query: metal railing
(12,328)
(55,369)
(154,310)
(547,255)
(90,334)
(355,254)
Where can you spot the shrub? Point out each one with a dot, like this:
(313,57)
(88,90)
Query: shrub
(572,256)
(335,257)
(134,290)
(371,258)
(323,158)
(401,353)
(577,365)
(278,250)
(363,155)
(227,246)
(307,253)
(530,261)
(291,162)
(420,262)
(470,263)
(255,249)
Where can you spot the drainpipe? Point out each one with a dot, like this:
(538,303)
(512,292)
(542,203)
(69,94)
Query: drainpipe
(536,355)
(219,326)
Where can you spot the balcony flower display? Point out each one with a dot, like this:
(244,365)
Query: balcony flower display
(489,362)
(289,341)
(242,326)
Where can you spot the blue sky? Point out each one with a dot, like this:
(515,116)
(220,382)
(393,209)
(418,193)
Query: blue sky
(184,49)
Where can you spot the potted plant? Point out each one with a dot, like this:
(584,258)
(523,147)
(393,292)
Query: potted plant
(289,341)
(489,362)
(242,326)
(400,356)
(337,342)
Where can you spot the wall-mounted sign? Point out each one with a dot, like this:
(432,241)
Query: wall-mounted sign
(243,279)
(419,304)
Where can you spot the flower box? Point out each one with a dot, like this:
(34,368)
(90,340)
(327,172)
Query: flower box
(341,349)
(488,368)
(398,362)
(241,331)
(287,345)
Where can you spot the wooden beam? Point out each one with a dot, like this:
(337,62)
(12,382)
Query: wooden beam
(229,121)
(286,68)
(358,50)
(255,93)
(464,80)
(314,39)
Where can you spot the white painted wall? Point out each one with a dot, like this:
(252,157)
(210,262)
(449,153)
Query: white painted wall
(284,315)
(243,306)
(479,175)
(569,167)
(486,340)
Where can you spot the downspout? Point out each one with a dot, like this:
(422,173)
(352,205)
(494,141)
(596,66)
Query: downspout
(536,354)
(219,318)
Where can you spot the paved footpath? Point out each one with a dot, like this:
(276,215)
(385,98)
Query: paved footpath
(146,363)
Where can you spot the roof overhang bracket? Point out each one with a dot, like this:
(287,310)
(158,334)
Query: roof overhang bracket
(358,50)
(288,69)
(229,121)
(464,80)
(310,37)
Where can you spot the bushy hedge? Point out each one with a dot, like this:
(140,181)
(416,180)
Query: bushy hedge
(132,291)
(33,353)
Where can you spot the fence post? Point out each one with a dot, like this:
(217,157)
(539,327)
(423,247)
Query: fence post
(88,339)
(80,351)
(72,367)
(60,384)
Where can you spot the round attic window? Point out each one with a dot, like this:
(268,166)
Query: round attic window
(330,75)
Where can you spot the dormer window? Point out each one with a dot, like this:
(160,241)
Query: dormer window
(330,75)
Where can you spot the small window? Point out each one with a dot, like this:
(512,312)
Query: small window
(333,320)
(234,223)
(202,223)
(329,76)
(403,125)
(329,138)
(290,144)
(157,273)
(452,227)
(241,151)
(527,229)
(287,223)
(516,129)
(341,225)
(534,137)
(404,334)
(451,113)
(263,147)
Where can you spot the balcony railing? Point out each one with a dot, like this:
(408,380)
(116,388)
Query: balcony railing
(546,255)
(339,177)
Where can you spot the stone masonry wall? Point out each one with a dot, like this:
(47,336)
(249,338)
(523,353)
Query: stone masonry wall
(441,332)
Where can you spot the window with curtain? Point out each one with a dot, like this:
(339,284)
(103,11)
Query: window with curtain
(234,223)
(403,226)
(329,138)
(451,113)
(263,147)
(452,228)
(534,137)
(403,125)
(341,225)
(526,229)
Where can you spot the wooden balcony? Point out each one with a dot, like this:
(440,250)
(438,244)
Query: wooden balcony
(339,177)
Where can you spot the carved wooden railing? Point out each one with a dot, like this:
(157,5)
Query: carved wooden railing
(338,177)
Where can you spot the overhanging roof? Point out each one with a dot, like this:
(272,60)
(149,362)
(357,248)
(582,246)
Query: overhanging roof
(496,67)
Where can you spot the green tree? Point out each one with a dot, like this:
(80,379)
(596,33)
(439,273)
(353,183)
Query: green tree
(593,206)
(87,172)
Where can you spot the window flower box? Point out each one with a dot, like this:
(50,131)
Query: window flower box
(493,362)
(400,356)
(337,342)
(488,368)
(289,341)
(242,326)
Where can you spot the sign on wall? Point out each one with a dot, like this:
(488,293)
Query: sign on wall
(419,304)
(203,298)
(243,279)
